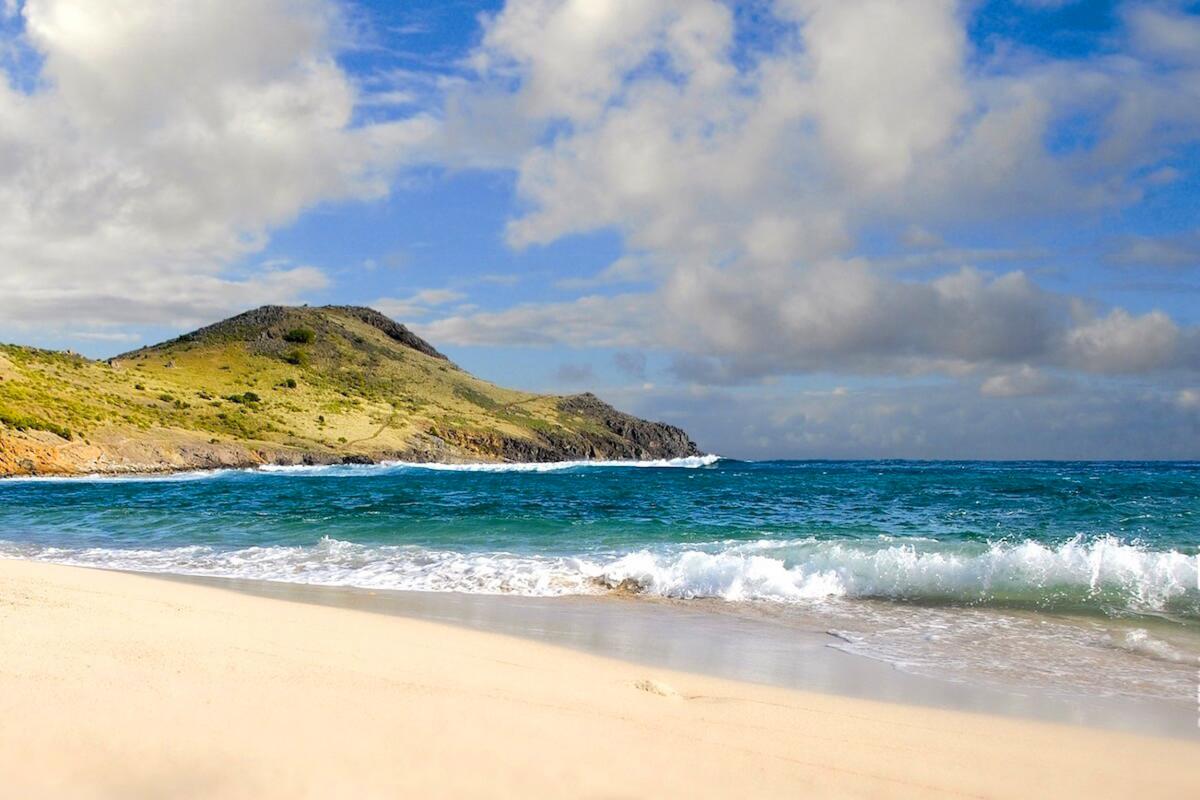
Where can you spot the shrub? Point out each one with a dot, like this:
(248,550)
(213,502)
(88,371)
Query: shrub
(300,336)
(242,399)
(166,398)
(295,357)
(141,387)
(22,423)
(290,383)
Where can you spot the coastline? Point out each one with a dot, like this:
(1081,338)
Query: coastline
(311,460)
(734,641)
(129,684)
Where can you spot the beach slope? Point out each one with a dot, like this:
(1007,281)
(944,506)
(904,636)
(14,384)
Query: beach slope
(117,685)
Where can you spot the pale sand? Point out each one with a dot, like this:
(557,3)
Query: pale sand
(114,685)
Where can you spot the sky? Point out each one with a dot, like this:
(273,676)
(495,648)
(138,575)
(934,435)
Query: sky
(797,228)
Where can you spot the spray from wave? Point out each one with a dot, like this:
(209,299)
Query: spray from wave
(1102,575)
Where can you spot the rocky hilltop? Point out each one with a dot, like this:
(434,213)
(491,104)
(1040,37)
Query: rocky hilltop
(292,385)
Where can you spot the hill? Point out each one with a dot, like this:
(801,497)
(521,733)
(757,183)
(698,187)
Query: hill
(292,385)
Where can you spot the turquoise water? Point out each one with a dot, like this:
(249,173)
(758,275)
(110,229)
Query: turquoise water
(1114,539)
(1011,569)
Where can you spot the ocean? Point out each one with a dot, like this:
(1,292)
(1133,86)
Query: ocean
(1061,577)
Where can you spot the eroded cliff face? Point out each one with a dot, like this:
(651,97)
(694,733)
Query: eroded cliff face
(599,432)
(282,385)
(629,436)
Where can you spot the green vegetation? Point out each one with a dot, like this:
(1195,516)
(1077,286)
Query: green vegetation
(243,398)
(23,423)
(300,336)
(336,381)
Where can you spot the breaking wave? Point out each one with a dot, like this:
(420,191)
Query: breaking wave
(687,462)
(1102,575)
(384,467)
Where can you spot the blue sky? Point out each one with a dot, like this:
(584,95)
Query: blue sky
(799,228)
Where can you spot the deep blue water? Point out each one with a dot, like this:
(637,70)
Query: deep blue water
(1106,538)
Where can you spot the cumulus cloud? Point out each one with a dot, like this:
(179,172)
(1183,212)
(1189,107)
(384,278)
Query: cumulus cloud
(941,420)
(1121,343)
(1165,32)
(727,327)
(418,304)
(748,175)
(1024,381)
(593,321)
(161,142)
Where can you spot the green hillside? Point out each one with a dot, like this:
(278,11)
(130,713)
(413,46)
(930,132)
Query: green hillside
(291,385)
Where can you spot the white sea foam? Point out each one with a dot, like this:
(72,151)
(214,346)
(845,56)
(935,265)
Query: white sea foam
(1102,570)
(1103,573)
(337,563)
(1140,641)
(358,470)
(130,477)
(687,462)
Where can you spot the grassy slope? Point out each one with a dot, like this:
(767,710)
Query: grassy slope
(356,392)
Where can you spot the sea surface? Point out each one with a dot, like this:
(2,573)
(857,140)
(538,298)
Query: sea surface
(1072,578)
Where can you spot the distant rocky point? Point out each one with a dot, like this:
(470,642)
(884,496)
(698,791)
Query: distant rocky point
(292,385)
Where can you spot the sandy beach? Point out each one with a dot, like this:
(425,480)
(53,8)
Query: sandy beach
(117,685)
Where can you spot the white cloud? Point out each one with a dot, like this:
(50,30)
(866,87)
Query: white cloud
(105,336)
(162,142)
(942,420)
(594,321)
(1121,342)
(1165,33)
(626,269)
(747,179)
(1024,381)
(418,304)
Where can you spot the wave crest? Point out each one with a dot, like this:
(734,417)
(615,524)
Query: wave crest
(1103,574)
(686,462)
(359,470)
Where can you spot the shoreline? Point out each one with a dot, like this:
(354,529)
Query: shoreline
(127,684)
(721,640)
(167,470)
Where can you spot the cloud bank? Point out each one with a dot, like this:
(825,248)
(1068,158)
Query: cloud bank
(152,145)
(750,176)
